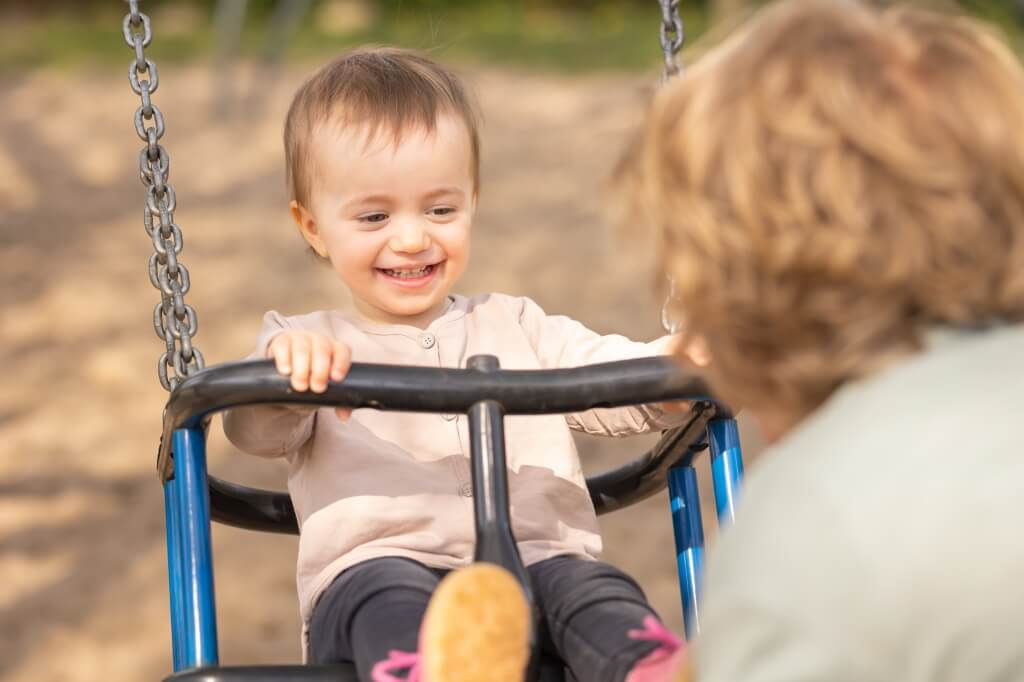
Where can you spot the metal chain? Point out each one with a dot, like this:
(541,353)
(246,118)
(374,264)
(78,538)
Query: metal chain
(671,35)
(174,321)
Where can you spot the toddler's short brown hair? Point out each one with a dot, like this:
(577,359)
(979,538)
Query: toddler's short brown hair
(389,89)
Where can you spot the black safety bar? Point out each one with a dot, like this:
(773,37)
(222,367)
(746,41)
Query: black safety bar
(441,390)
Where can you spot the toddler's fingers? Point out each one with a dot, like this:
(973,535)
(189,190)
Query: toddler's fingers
(300,362)
(280,349)
(341,360)
(343,413)
(320,365)
(698,352)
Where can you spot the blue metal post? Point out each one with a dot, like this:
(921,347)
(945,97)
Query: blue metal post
(726,467)
(689,536)
(175,573)
(194,508)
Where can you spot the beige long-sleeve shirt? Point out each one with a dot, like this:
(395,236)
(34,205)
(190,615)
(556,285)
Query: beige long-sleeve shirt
(398,484)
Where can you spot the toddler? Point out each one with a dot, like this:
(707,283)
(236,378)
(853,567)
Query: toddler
(383,153)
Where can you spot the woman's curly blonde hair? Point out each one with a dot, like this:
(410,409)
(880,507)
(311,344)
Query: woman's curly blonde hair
(831,182)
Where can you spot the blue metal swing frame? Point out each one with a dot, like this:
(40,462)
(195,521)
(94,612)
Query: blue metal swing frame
(187,487)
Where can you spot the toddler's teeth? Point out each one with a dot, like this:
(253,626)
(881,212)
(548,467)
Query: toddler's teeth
(408,274)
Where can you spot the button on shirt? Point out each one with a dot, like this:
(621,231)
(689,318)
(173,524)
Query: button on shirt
(398,484)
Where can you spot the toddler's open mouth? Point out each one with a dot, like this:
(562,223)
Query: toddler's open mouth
(411,278)
(407,273)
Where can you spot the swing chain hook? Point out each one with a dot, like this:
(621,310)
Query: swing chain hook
(670,320)
(672,36)
(174,321)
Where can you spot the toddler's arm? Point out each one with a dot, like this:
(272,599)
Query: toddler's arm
(563,342)
(310,359)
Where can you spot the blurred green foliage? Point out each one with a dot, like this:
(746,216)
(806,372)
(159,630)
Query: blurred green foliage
(567,35)
(572,36)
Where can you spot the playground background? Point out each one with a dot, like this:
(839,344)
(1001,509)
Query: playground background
(82,562)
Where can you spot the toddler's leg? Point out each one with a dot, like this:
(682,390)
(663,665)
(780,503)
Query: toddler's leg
(599,620)
(370,610)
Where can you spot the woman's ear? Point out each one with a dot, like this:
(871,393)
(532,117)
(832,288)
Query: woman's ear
(308,228)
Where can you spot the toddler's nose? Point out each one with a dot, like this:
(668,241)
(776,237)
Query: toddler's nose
(409,237)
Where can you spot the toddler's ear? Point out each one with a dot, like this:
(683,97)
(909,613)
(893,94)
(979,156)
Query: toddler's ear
(308,228)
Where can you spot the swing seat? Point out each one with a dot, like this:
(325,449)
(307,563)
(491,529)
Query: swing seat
(551,670)
(344,672)
(483,392)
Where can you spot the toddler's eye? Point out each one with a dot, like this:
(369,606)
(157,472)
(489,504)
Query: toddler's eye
(373,218)
(442,210)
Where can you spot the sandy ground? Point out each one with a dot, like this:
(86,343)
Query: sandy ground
(82,561)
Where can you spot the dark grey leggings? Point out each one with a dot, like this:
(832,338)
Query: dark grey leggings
(587,606)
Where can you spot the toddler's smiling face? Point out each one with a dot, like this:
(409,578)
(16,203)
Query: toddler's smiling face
(393,215)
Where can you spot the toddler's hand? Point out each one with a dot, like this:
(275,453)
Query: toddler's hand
(697,353)
(311,359)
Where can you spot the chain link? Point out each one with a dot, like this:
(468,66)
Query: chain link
(174,321)
(671,35)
